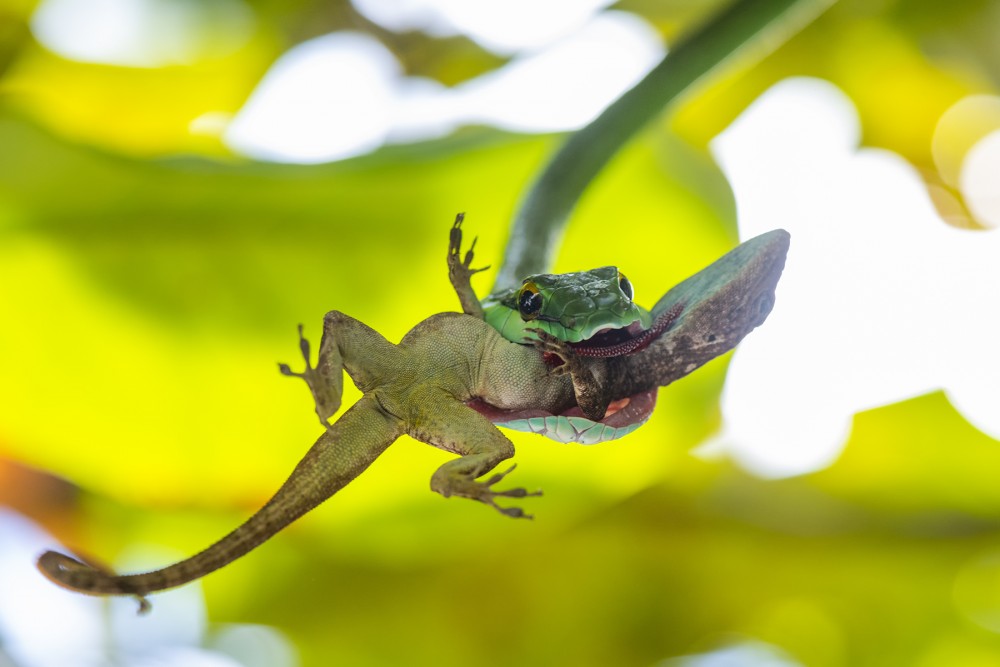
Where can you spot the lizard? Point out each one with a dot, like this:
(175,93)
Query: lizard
(454,374)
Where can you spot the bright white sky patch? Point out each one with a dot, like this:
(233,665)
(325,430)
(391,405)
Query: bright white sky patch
(569,84)
(958,129)
(329,98)
(980,180)
(40,624)
(424,109)
(141,33)
(502,26)
(344,94)
(880,300)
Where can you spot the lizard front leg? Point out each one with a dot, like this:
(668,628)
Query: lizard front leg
(460,271)
(446,423)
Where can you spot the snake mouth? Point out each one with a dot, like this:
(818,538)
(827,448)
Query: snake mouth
(622,416)
(609,337)
(634,409)
(627,340)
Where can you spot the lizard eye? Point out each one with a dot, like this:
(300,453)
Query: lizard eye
(529,301)
(625,286)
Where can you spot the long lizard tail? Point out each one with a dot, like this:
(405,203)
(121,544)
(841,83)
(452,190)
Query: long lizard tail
(338,456)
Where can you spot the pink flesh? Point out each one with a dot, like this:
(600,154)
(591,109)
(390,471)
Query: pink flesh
(638,408)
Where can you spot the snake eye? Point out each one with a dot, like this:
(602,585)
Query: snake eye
(625,285)
(529,301)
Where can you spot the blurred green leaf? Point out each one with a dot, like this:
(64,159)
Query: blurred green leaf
(144,302)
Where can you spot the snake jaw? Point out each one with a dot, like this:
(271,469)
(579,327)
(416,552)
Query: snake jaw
(619,342)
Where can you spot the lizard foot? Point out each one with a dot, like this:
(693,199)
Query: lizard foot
(546,343)
(464,487)
(461,268)
(327,399)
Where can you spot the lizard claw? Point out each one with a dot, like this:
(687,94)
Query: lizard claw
(326,404)
(458,266)
(285,370)
(546,343)
(484,493)
(487,495)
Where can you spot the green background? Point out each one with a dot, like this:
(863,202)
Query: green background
(149,281)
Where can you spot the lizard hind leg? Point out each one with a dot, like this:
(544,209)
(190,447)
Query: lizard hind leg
(448,424)
(325,380)
(347,345)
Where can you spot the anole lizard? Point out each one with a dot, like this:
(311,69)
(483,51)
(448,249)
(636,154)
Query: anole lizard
(453,373)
